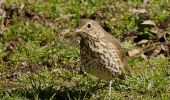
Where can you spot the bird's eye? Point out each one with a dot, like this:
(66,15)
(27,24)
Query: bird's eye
(88,25)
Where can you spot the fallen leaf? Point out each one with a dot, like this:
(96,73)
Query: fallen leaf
(1,2)
(22,5)
(143,41)
(148,22)
(2,13)
(134,52)
(143,56)
(134,10)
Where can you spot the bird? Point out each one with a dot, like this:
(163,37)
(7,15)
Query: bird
(101,53)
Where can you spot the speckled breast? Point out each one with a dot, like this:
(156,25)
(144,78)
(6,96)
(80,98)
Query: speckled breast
(99,60)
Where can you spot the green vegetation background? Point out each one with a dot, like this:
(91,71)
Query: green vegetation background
(40,60)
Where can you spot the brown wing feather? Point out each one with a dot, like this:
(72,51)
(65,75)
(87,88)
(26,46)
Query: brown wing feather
(120,52)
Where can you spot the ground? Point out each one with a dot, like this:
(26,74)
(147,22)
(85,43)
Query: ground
(40,59)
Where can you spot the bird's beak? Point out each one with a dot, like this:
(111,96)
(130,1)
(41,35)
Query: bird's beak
(77,31)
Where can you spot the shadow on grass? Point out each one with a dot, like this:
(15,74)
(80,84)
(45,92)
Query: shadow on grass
(79,92)
(51,93)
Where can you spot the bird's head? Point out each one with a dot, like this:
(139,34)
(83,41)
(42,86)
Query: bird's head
(89,28)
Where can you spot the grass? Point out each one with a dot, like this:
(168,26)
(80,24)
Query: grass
(39,59)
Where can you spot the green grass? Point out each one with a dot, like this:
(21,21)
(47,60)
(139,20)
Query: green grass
(39,59)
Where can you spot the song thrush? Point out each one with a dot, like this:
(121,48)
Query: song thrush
(101,53)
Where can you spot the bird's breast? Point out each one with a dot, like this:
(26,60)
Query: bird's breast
(100,59)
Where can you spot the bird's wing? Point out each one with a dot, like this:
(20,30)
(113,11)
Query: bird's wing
(120,51)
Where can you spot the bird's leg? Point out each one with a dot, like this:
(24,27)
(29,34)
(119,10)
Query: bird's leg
(110,88)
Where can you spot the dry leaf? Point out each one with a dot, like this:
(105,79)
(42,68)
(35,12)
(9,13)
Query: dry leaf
(2,12)
(134,10)
(22,5)
(143,41)
(143,56)
(134,52)
(1,2)
(148,22)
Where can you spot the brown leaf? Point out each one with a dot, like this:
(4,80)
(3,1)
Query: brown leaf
(2,13)
(134,10)
(1,2)
(144,41)
(143,56)
(22,5)
(148,22)
(134,52)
